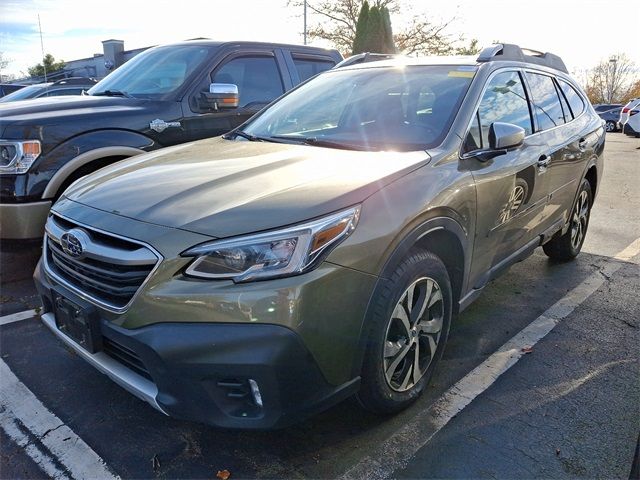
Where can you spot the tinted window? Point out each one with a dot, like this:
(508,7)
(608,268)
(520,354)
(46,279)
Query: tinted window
(546,103)
(575,101)
(308,67)
(370,109)
(505,101)
(565,106)
(258,79)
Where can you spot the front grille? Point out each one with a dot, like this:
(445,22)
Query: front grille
(126,356)
(110,270)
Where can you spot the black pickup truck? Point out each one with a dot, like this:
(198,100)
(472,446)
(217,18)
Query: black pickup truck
(162,97)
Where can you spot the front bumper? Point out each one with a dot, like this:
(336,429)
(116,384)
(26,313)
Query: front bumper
(202,371)
(19,221)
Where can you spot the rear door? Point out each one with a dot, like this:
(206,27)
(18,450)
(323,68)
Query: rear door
(567,144)
(511,194)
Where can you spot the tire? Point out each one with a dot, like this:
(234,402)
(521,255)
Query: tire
(386,388)
(610,126)
(566,247)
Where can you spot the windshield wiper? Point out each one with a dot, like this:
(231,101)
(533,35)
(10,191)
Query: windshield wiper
(319,142)
(240,133)
(112,93)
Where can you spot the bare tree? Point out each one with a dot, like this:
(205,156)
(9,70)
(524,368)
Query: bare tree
(4,62)
(610,80)
(338,19)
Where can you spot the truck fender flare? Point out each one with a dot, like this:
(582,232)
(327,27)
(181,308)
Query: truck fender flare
(84,158)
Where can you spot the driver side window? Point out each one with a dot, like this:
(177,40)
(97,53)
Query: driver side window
(505,101)
(257,77)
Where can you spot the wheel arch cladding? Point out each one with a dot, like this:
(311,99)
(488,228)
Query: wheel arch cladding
(442,236)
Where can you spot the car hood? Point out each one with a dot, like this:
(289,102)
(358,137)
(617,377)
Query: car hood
(43,118)
(223,188)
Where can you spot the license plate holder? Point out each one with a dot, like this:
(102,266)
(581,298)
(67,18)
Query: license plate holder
(78,322)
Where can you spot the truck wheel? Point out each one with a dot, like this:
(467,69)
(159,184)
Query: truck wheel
(568,246)
(409,329)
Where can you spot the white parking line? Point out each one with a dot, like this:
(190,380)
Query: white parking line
(395,452)
(16,317)
(47,440)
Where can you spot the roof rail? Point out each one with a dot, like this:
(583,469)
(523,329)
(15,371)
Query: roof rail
(509,52)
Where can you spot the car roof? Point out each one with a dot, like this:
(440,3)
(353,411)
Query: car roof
(218,43)
(469,61)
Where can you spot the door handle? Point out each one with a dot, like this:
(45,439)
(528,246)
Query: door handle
(582,144)
(543,162)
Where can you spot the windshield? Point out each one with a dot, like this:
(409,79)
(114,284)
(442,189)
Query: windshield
(390,108)
(23,93)
(155,74)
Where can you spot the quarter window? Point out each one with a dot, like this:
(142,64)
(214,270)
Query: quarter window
(565,106)
(505,101)
(546,103)
(308,67)
(258,79)
(575,101)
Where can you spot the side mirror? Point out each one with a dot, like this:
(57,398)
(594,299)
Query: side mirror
(220,96)
(504,136)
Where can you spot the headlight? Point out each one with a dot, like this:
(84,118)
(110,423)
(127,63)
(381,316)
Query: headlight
(18,156)
(280,253)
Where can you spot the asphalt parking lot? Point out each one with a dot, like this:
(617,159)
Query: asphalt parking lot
(541,378)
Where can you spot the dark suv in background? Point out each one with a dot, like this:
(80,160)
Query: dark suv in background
(163,96)
(321,249)
(610,113)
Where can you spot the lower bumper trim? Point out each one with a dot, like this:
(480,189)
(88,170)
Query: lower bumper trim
(135,384)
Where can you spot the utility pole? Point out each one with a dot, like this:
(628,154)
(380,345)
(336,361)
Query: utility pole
(42,48)
(612,80)
(305,22)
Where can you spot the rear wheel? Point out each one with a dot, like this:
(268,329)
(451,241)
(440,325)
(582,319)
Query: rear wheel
(408,332)
(567,246)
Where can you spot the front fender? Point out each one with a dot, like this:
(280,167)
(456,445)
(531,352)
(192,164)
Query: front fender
(51,170)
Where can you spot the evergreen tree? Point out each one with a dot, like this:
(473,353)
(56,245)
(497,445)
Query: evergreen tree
(374,41)
(388,44)
(361,29)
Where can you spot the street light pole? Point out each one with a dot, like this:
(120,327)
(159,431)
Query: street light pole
(612,79)
(305,22)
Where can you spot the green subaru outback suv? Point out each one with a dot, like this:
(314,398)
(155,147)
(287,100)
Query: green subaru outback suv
(322,249)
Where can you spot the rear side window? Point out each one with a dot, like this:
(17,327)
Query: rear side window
(546,103)
(575,101)
(565,106)
(258,79)
(308,67)
(505,101)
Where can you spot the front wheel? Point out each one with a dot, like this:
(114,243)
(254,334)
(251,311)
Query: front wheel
(610,126)
(568,246)
(407,334)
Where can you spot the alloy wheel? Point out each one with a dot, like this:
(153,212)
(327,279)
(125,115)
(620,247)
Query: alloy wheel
(579,219)
(413,334)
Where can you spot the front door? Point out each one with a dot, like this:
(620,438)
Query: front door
(511,189)
(259,82)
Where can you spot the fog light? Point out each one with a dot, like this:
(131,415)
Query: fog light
(255,391)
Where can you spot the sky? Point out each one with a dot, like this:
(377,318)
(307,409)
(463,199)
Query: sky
(581,32)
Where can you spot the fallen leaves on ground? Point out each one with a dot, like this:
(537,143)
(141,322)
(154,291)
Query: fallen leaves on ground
(223,474)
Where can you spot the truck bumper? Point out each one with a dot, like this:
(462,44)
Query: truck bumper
(19,221)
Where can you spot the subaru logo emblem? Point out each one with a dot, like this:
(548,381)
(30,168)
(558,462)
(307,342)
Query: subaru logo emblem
(72,242)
